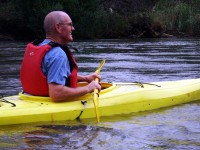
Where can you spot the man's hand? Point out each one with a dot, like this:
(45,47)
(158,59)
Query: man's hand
(91,77)
(92,85)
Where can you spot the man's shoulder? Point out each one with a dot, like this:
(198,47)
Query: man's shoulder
(56,51)
(56,56)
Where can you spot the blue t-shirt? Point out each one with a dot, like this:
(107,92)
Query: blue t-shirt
(55,65)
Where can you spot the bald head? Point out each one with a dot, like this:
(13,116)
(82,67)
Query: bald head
(53,18)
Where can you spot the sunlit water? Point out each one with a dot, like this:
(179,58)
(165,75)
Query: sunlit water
(143,60)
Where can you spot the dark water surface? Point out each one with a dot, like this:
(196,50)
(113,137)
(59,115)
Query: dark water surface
(126,61)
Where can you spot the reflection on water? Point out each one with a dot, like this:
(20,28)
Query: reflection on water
(126,60)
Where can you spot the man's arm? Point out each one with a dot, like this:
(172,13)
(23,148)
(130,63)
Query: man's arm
(88,78)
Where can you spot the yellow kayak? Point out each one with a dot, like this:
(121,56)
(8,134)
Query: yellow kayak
(114,98)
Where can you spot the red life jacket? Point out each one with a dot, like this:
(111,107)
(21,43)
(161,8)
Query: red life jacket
(32,78)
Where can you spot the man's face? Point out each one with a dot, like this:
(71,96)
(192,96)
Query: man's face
(66,28)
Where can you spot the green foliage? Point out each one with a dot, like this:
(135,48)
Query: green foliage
(10,20)
(33,16)
(176,15)
(83,15)
(23,19)
(89,20)
(110,25)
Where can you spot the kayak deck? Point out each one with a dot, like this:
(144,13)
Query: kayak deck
(114,98)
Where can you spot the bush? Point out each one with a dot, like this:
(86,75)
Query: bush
(101,19)
(110,25)
(173,15)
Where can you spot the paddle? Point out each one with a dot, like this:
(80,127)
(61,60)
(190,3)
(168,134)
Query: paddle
(96,92)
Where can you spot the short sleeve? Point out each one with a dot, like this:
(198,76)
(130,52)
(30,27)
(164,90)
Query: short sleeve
(56,66)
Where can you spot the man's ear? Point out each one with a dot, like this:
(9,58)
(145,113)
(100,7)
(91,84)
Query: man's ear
(58,27)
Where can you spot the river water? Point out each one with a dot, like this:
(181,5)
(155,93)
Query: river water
(141,60)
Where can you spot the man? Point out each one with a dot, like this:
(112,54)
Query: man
(49,68)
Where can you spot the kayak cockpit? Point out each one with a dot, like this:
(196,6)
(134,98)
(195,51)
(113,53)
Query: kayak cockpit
(106,87)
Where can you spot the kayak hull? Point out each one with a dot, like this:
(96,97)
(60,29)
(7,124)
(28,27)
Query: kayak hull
(115,98)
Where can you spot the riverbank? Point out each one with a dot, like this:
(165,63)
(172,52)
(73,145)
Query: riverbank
(144,34)
(104,19)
